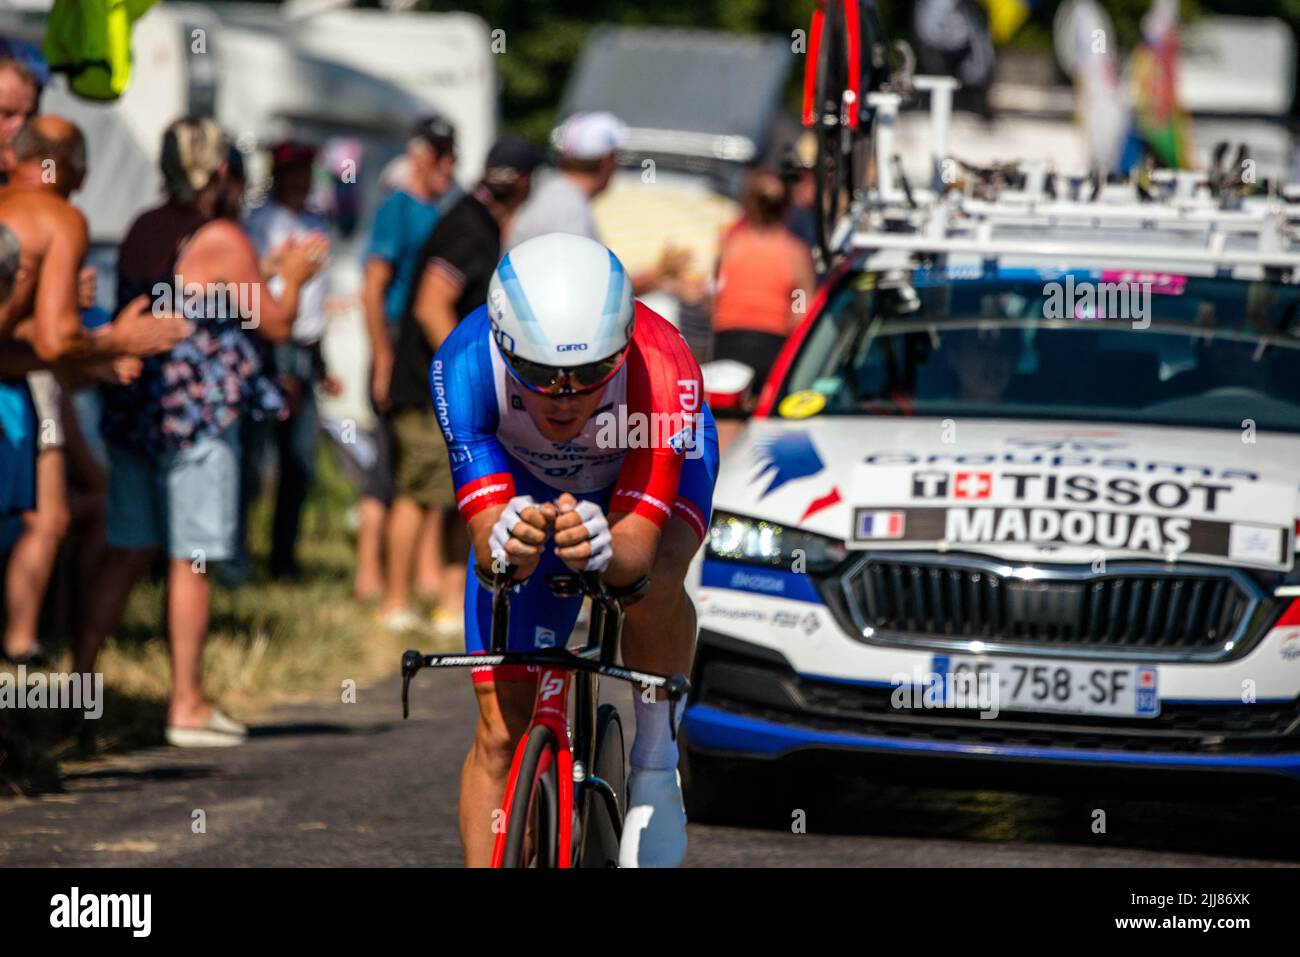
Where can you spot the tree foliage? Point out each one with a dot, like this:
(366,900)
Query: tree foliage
(544,37)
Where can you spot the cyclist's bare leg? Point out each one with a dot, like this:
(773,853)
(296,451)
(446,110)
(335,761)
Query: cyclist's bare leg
(504,709)
(659,630)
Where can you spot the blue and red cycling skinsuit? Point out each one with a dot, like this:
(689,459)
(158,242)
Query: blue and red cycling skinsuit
(497,453)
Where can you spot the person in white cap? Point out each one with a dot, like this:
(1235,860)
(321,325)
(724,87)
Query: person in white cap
(586,147)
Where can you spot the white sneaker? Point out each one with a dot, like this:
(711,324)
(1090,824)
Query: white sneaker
(220,731)
(654,829)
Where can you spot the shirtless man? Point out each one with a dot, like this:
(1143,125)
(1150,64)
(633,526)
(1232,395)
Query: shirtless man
(49,164)
(40,326)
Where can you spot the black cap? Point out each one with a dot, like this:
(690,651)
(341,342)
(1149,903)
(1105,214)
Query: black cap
(511,157)
(435,131)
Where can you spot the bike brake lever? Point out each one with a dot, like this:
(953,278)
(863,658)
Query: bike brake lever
(411,663)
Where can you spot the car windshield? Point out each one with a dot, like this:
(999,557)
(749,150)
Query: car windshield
(1173,350)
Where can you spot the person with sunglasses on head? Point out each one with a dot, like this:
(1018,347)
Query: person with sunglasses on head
(579,440)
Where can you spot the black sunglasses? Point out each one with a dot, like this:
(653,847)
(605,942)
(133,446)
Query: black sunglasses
(560,380)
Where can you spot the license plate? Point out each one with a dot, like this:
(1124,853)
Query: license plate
(1033,684)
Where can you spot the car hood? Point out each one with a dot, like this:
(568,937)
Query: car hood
(859,478)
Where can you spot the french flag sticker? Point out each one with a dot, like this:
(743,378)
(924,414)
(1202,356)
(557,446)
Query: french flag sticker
(880,525)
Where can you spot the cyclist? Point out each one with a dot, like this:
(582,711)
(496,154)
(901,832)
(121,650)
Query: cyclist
(578,437)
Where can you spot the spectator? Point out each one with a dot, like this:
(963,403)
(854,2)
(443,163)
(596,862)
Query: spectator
(282,218)
(31,561)
(764,283)
(20,97)
(800,181)
(34,553)
(53,238)
(402,225)
(587,146)
(13,357)
(458,258)
(172,434)
(231,204)
(765,279)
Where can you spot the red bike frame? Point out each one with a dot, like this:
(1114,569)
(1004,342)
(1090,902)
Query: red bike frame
(558,667)
(551,709)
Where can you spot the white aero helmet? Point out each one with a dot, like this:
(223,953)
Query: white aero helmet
(561,310)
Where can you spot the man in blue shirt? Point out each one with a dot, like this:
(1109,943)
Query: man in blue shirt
(402,224)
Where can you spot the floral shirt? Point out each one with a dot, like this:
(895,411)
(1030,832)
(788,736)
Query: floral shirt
(199,388)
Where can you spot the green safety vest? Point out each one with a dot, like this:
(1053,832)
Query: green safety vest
(90,42)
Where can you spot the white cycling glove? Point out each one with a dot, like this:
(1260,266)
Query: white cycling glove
(503,529)
(593,520)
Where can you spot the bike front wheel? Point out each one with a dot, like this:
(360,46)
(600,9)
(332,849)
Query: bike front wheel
(533,829)
(602,830)
(834,158)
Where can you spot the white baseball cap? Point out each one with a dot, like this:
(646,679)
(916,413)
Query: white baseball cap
(589,136)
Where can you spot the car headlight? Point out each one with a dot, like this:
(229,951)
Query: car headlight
(760,542)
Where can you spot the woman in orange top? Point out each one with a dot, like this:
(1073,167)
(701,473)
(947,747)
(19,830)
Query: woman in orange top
(765,279)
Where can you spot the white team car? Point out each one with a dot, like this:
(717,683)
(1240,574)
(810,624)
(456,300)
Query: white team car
(983,515)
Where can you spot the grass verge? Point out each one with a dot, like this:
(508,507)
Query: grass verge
(268,643)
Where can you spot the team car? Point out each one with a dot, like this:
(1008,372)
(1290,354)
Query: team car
(1022,491)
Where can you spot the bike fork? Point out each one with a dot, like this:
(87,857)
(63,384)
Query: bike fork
(550,709)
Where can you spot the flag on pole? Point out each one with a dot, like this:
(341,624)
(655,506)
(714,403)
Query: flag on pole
(1085,47)
(1160,121)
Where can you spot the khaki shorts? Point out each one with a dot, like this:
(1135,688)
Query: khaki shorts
(421,466)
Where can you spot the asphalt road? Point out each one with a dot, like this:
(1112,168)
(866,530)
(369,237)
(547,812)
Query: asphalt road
(338,785)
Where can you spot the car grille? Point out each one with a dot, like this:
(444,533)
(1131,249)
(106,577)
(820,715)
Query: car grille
(1138,612)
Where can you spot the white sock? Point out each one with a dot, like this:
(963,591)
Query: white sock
(654,748)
